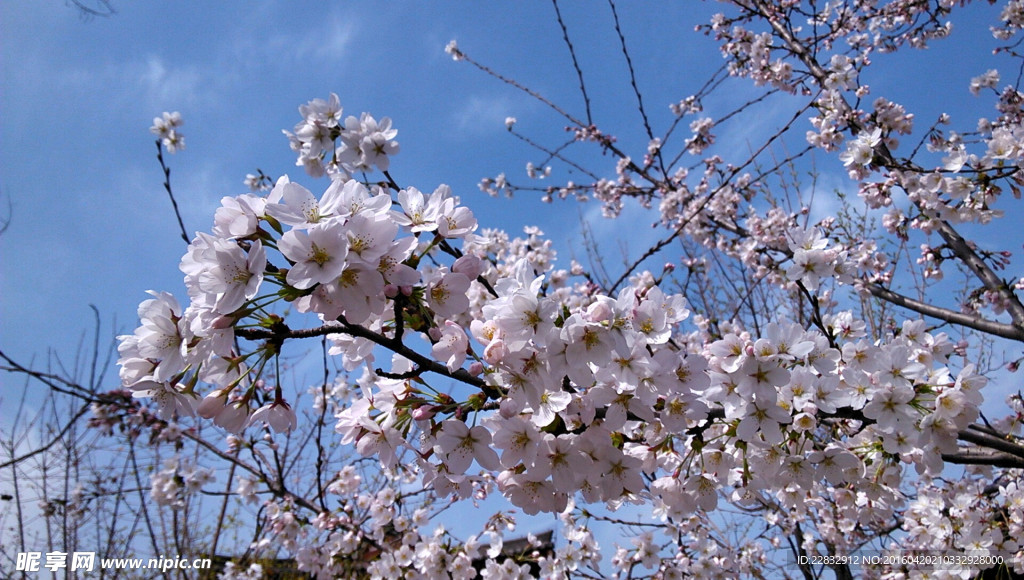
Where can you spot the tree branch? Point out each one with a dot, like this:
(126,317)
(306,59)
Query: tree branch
(980,457)
(391,344)
(167,187)
(956,243)
(1010,331)
(54,441)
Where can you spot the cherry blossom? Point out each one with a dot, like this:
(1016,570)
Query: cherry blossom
(319,254)
(462,445)
(780,389)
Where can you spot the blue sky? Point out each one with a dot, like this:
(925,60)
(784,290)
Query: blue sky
(90,221)
(91,224)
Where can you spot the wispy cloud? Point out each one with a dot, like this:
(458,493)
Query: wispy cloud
(147,80)
(326,40)
(479,114)
(198,190)
(162,84)
(336,38)
(203,189)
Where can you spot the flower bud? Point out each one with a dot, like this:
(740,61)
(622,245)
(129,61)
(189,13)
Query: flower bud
(212,404)
(469,266)
(424,413)
(495,351)
(599,311)
(510,407)
(233,417)
(278,415)
(222,322)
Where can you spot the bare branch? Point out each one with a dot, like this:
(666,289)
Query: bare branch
(167,187)
(1011,331)
(575,63)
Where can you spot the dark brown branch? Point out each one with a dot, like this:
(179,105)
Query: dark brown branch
(396,346)
(1010,331)
(977,435)
(167,187)
(980,457)
(575,62)
(963,250)
(992,449)
(60,436)
(54,382)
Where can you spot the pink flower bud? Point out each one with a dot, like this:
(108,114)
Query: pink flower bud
(599,311)
(476,368)
(510,407)
(233,417)
(469,266)
(278,415)
(212,404)
(495,351)
(390,290)
(222,322)
(424,413)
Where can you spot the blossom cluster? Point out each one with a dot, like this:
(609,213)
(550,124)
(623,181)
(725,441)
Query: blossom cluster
(176,480)
(480,368)
(165,127)
(344,258)
(365,142)
(575,395)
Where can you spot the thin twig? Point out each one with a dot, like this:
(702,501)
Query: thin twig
(575,63)
(525,89)
(632,72)
(56,439)
(167,186)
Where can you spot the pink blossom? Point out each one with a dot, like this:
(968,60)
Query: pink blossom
(451,347)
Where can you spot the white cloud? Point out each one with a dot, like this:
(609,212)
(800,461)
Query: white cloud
(743,134)
(337,37)
(328,40)
(482,114)
(199,193)
(821,198)
(146,82)
(164,86)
